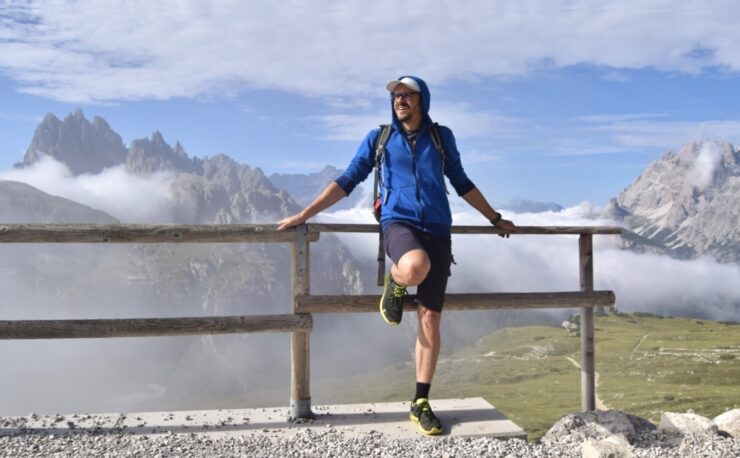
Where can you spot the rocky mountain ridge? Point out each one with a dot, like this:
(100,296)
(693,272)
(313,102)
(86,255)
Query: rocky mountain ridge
(305,187)
(209,190)
(687,202)
(84,146)
(94,281)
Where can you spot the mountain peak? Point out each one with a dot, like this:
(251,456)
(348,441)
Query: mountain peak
(78,115)
(149,155)
(708,162)
(50,118)
(83,147)
(687,200)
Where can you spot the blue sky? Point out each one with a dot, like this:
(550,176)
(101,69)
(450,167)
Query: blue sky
(553,101)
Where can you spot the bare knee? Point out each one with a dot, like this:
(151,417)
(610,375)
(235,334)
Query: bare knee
(413,268)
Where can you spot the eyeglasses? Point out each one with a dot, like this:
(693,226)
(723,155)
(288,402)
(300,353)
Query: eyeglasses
(402,95)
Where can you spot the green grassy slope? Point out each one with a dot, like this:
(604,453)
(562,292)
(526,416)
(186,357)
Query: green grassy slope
(646,366)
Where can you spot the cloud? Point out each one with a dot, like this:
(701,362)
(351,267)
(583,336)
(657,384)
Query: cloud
(642,282)
(463,119)
(629,133)
(702,169)
(348,127)
(127,197)
(112,51)
(611,118)
(664,135)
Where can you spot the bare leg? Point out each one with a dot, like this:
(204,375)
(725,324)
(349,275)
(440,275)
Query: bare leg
(428,342)
(412,268)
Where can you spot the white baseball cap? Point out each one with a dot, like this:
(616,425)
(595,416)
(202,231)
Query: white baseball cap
(406,81)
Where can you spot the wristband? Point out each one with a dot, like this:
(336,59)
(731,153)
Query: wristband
(496,218)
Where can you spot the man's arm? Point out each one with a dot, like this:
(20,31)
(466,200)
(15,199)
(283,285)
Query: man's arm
(476,199)
(328,197)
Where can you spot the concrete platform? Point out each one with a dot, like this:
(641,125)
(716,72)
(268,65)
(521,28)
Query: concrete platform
(471,417)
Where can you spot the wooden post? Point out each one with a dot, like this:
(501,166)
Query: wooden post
(588,369)
(300,356)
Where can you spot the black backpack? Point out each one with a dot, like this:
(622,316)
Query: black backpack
(380,142)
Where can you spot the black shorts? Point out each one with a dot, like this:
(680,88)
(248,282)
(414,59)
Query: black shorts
(400,238)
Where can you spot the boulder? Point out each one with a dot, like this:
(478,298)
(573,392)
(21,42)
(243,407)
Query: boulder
(729,422)
(686,423)
(595,425)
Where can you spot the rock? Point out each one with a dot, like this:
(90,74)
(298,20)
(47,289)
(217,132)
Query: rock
(595,425)
(618,439)
(83,146)
(686,202)
(729,422)
(518,205)
(686,423)
(154,154)
(305,187)
(605,449)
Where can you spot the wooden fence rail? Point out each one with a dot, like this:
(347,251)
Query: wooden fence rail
(151,327)
(484,301)
(299,323)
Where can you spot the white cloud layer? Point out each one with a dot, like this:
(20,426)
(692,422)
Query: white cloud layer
(83,51)
(661,135)
(645,282)
(129,198)
(642,282)
(464,120)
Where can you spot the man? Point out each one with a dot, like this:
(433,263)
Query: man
(415,220)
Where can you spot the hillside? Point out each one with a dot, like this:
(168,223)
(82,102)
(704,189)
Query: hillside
(21,203)
(645,365)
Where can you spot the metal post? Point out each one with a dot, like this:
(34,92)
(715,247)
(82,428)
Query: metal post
(588,369)
(300,357)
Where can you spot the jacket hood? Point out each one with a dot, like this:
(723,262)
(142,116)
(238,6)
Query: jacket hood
(425,100)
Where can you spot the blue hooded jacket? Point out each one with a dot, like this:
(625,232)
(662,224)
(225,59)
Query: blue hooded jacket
(413,189)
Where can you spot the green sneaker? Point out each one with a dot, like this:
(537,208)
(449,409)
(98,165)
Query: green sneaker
(422,415)
(391,302)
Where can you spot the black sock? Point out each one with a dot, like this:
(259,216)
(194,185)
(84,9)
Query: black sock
(422,390)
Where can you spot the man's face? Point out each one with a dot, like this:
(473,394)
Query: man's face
(406,103)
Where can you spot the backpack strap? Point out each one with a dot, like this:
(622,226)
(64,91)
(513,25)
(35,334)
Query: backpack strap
(437,139)
(380,142)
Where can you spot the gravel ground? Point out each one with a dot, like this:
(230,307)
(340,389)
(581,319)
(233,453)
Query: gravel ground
(331,443)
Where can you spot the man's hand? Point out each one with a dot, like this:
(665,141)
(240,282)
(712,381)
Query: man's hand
(291,221)
(505,225)
(328,197)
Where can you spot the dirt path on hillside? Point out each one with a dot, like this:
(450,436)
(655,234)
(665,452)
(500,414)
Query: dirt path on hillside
(634,349)
(600,405)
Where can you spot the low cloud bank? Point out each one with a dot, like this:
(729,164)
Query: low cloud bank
(642,282)
(702,287)
(128,197)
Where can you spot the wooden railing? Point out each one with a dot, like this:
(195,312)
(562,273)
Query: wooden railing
(299,323)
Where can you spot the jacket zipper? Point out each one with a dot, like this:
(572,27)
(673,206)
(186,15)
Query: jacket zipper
(416,176)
